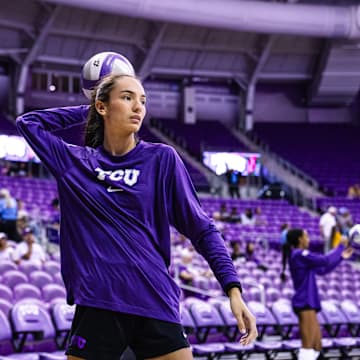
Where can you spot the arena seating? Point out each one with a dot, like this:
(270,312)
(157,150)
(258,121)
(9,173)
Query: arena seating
(211,330)
(323,151)
(353,205)
(214,135)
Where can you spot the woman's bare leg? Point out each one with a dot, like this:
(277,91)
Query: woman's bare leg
(182,354)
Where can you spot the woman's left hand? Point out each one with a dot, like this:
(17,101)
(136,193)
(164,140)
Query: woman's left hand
(245,319)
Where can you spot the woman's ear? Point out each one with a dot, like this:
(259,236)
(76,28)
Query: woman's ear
(100,107)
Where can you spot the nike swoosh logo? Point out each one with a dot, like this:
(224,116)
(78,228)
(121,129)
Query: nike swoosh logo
(111,189)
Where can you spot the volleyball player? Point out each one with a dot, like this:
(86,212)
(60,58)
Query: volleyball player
(118,197)
(304,266)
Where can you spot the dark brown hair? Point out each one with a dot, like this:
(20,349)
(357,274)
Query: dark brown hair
(94,131)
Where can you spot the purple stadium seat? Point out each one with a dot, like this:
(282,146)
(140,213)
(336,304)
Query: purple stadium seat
(271,295)
(29,318)
(5,306)
(22,291)
(40,278)
(210,351)
(347,294)
(58,279)
(27,267)
(5,333)
(346,345)
(231,329)
(56,356)
(6,293)
(206,318)
(269,348)
(52,291)
(285,317)
(333,317)
(6,265)
(14,277)
(186,320)
(292,345)
(51,267)
(333,295)
(264,318)
(190,300)
(28,356)
(62,315)
(352,315)
(253,294)
(242,351)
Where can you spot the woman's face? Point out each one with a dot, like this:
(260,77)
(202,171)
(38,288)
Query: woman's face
(304,240)
(125,110)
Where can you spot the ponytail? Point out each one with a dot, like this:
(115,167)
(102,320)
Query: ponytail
(292,241)
(94,132)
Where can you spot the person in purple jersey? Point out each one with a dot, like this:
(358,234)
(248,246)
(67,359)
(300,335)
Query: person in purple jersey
(118,196)
(304,266)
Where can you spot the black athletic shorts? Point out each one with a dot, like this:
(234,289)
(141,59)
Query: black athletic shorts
(298,310)
(98,334)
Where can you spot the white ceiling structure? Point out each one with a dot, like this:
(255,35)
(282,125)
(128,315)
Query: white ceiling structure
(246,41)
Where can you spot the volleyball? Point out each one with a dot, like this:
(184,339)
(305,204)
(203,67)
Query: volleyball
(100,65)
(354,236)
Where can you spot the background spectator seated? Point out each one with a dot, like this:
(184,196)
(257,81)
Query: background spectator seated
(248,217)
(28,249)
(5,249)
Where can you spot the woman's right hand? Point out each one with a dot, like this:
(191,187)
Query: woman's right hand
(347,253)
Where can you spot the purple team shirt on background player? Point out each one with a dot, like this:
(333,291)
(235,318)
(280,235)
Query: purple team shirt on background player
(115,212)
(304,266)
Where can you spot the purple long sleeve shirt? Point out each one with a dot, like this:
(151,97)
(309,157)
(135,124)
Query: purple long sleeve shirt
(115,217)
(304,266)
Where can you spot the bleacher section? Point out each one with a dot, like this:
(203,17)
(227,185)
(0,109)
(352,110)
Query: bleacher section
(32,297)
(198,178)
(213,134)
(353,205)
(32,302)
(326,152)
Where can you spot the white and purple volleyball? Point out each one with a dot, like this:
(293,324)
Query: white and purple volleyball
(103,64)
(354,236)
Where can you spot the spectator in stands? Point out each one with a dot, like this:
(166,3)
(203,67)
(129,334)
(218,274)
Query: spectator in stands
(8,215)
(284,228)
(248,217)
(234,216)
(12,168)
(345,220)
(5,166)
(29,249)
(118,197)
(5,249)
(354,192)
(251,256)
(222,214)
(188,271)
(260,219)
(218,222)
(21,210)
(233,179)
(216,185)
(22,169)
(327,223)
(304,266)
(236,253)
